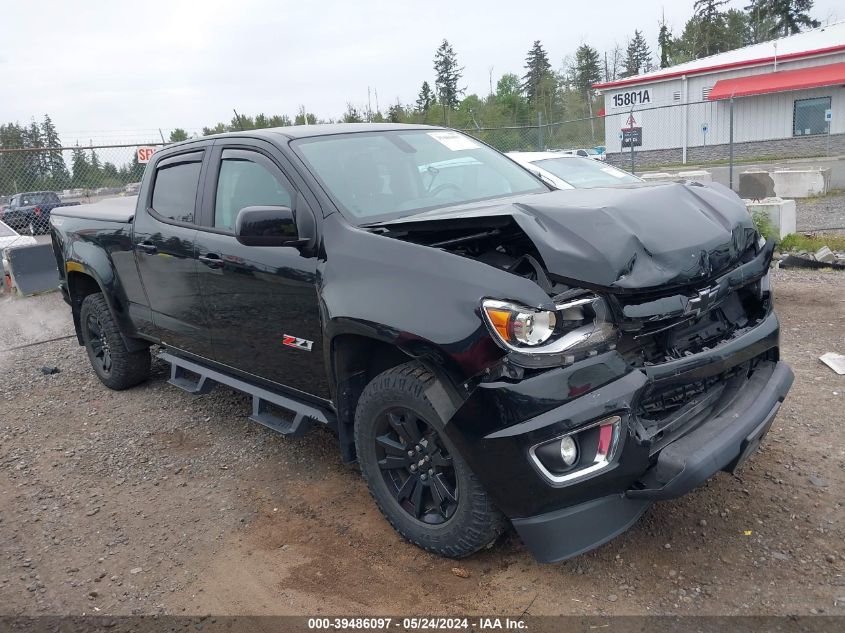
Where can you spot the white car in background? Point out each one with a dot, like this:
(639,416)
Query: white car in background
(584,153)
(568,171)
(9,238)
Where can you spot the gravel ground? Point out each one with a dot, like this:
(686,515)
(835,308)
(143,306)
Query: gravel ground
(815,214)
(154,501)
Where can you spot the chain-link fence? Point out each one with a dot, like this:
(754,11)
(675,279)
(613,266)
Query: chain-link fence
(35,181)
(677,136)
(565,135)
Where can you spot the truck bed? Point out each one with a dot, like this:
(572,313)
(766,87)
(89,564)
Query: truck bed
(110,210)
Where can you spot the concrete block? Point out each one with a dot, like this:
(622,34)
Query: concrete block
(657,176)
(824,254)
(756,184)
(698,175)
(801,183)
(782,213)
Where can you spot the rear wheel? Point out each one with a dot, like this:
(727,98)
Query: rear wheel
(114,364)
(416,476)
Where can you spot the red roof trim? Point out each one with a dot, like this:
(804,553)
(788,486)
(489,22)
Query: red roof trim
(709,69)
(780,81)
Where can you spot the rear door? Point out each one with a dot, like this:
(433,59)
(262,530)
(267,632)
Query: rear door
(262,301)
(164,239)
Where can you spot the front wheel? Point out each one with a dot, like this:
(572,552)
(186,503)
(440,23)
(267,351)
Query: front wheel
(416,476)
(115,366)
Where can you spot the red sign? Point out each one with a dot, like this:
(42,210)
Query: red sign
(145,153)
(631,122)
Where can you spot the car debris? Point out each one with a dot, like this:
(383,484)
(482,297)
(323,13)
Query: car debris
(835,361)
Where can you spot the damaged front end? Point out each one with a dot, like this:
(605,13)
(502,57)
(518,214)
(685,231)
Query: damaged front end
(654,363)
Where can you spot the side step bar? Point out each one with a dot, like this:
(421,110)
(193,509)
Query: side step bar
(304,415)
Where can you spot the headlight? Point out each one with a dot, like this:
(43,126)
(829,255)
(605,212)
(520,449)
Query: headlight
(574,325)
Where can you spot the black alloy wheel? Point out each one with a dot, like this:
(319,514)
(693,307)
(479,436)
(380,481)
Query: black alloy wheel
(99,344)
(416,466)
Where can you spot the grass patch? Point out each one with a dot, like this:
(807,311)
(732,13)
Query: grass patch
(721,162)
(799,242)
(765,225)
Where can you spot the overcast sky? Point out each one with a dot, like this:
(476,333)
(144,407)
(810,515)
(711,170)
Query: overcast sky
(104,67)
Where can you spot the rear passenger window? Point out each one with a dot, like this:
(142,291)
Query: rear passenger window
(175,191)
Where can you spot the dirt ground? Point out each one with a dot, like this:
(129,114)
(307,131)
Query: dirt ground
(155,501)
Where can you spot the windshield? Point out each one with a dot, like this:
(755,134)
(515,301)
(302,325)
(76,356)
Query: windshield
(381,175)
(585,173)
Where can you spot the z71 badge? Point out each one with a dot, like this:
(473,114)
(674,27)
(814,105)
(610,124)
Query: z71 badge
(298,343)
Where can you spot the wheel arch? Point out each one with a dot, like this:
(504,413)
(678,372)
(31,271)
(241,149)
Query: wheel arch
(83,282)
(355,359)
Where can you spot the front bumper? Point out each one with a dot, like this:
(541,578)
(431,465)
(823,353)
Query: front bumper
(498,424)
(721,443)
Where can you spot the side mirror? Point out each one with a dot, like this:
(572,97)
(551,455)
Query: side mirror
(267,226)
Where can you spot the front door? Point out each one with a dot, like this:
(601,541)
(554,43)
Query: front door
(261,301)
(164,239)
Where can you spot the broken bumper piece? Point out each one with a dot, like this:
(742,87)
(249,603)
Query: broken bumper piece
(720,443)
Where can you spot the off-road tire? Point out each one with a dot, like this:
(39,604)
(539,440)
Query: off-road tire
(476,522)
(125,369)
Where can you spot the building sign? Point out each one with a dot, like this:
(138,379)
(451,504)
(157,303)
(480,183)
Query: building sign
(632,98)
(632,137)
(145,153)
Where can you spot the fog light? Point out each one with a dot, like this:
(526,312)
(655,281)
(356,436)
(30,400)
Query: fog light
(568,450)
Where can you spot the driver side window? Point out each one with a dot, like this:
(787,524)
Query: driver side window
(244,182)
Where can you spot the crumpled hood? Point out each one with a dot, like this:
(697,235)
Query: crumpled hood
(625,238)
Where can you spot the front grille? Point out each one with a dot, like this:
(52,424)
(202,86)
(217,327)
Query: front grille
(665,401)
(659,340)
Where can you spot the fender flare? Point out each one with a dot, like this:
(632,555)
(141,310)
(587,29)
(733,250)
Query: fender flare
(73,268)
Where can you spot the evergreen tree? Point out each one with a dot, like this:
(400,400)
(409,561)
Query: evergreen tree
(55,162)
(586,70)
(447,75)
(396,113)
(425,99)
(785,17)
(81,168)
(352,115)
(539,70)
(178,135)
(664,42)
(637,55)
(761,26)
(737,30)
(34,163)
(711,24)
(12,163)
(95,172)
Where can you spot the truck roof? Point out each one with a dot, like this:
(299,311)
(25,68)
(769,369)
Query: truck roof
(320,129)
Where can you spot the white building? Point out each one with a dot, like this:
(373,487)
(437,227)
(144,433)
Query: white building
(788,100)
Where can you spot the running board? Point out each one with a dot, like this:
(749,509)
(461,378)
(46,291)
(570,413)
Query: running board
(263,400)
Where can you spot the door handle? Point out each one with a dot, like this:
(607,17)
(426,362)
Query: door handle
(212,260)
(148,247)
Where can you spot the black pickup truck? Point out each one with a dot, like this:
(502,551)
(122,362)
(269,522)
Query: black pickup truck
(30,211)
(488,349)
